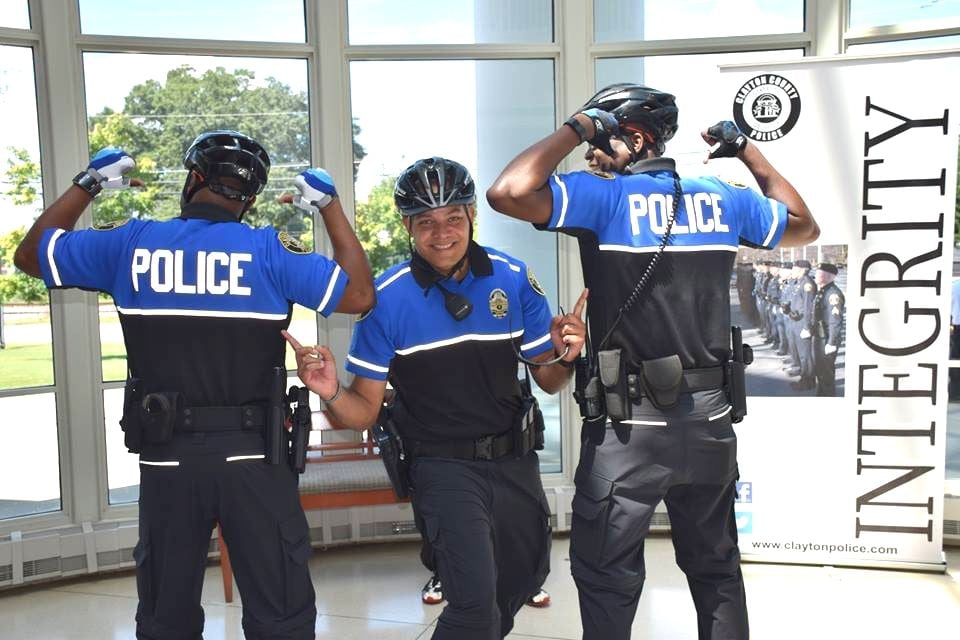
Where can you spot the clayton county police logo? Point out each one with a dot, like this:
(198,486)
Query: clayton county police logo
(498,304)
(766,107)
(291,244)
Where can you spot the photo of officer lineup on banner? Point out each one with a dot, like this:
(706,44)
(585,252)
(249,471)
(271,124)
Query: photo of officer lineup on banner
(791,306)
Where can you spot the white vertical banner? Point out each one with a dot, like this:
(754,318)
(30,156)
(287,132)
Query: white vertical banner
(871,145)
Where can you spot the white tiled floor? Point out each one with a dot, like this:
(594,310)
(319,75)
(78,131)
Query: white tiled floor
(374,592)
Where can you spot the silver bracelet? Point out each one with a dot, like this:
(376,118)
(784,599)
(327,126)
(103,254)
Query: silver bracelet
(336,395)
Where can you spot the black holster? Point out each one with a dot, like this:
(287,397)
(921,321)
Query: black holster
(130,421)
(586,391)
(276,439)
(300,431)
(529,428)
(735,376)
(392,452)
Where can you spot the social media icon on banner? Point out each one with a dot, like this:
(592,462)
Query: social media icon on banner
(744,522)
(745,492)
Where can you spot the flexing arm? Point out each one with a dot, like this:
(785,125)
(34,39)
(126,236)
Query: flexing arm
(107,166)
(801,227)
(355,407)
(62,214)
(521,190)
(347,252)
(318,193)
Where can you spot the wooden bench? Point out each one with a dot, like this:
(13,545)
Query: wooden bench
(338,475)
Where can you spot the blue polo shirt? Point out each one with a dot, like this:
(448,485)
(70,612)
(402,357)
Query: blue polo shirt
(454,379)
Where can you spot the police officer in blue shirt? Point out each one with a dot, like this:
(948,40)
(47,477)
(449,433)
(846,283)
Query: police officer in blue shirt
(202,299)
(659,389)
(450,327)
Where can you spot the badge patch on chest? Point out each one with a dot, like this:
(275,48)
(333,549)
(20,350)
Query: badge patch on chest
(534,284)
(291,244)
(498,304)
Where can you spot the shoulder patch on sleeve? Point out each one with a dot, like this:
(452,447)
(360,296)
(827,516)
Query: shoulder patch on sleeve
(808,287)
(290,243)
(834,299)
(110,226)
(534,284)
(738,185)
(606,175)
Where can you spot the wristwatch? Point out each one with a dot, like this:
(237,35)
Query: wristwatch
(86,181)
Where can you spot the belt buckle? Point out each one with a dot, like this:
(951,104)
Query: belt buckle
(483,448)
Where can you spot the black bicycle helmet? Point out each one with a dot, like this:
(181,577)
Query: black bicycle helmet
(639,109)
(227,154)
(431,183)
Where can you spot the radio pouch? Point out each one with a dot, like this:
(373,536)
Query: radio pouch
(394,457)
(613,376)
(660,379)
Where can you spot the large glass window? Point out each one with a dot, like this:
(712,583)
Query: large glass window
(876,13)
(26,350)
(450,21)
(15,14)
(29,454)
(473,125)
(274,21)
(629,20)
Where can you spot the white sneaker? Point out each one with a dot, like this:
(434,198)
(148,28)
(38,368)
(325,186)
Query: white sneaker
(539,599)
(432,592)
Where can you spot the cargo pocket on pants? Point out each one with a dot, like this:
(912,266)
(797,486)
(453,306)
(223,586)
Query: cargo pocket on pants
(591,507)
(295,540)
(543,564)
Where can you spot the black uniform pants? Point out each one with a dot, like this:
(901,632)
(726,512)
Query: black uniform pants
(488,526)
(258,507)
(825,368)
(624,472)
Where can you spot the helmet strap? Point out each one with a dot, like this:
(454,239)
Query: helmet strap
(188,192)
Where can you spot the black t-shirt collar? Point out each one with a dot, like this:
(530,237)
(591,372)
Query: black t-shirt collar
(649,165)
(426,276)
(207,211)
